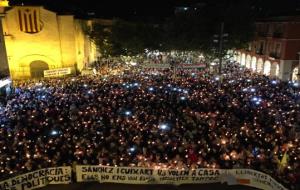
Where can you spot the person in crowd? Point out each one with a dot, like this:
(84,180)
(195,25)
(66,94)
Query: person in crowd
(151,119)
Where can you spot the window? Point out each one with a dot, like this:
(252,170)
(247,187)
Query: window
(260,49)
(277,49)
(278,31)
(249,47)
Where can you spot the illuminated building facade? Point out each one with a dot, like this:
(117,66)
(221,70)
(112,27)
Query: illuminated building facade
(38,39)
(274,51)
(4,71)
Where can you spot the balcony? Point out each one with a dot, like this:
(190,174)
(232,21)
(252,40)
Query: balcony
(277,34)
(262,34)
(274,55)
(259,52)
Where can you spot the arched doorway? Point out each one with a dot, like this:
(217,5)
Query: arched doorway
(260,65)
(234,57)
(248,61)
(243,60)
(37,68)
(253,63)
(295,74)
(267,68)
(238,57)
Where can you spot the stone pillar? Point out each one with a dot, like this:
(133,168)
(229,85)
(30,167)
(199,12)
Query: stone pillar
(285,69)
(273,69)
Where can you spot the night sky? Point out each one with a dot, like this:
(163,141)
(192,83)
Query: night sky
(153,8)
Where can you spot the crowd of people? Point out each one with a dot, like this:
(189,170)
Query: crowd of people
(146,119)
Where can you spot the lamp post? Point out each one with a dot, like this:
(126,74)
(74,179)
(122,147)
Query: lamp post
(221,38)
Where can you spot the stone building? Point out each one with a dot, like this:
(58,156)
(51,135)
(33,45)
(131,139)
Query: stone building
(275,49)
(38,39)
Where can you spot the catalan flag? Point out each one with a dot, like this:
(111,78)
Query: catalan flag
(284,161)
(29,19)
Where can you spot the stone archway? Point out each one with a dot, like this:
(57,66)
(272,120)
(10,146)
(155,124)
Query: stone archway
(260,65)
(37,68)
(295,74)
(248,61)
(243,59)
(29,66)
(267,68)
(253,63)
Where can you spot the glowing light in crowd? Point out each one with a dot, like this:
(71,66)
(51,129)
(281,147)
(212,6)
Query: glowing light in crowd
(54,132)
(274,82)
(136,84)
(128,113)
(164,127)
(182,98)
(85,85)
(223,141)
(256,100)
(133,63)
(248,80)
(151,89)
(193,74)
(245,89)
(295,84)
(252,89)
(217,78)
(185,91)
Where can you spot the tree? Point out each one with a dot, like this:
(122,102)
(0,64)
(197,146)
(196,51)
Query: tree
(125,38)
(135,37)
(191,30)
(194,29)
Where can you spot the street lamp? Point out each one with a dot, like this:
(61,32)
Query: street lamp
(221,38)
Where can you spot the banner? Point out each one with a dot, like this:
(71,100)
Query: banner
(192,66)
(38,179)
(5,82)
(255,178)
(156,66)
(139,175)
(135,175)
(57,72)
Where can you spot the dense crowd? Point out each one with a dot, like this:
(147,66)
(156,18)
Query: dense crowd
(193,120)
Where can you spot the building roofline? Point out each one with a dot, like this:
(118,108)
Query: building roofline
(280,19)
